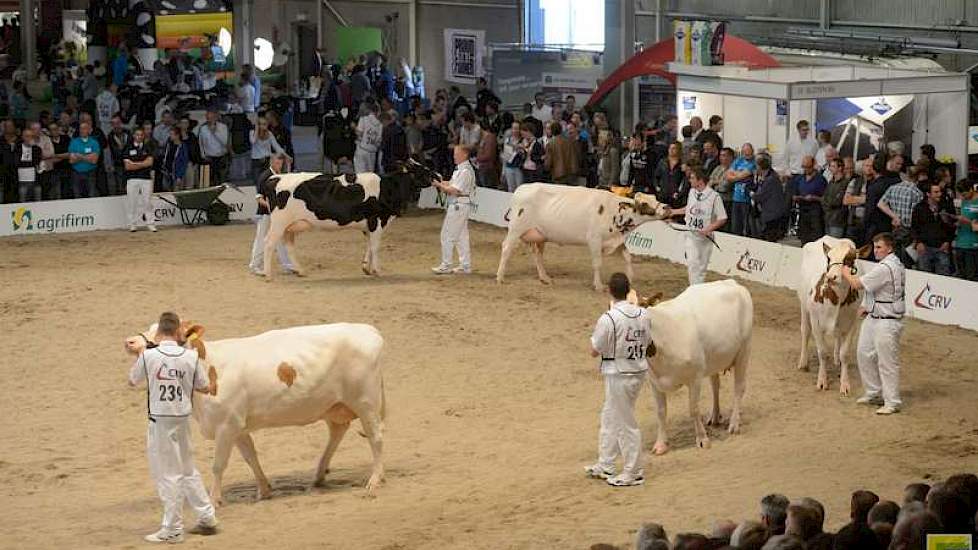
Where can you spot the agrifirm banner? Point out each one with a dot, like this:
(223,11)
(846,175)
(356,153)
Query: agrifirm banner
(73,216)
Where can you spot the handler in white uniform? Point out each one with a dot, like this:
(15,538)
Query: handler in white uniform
(704,214)
(878,352)
(171,374)
(455,228)
(621,338)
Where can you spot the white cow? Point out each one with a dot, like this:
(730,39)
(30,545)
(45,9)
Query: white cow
(701,333)
(829,307)
(288,377)
(365,202)
(543,212)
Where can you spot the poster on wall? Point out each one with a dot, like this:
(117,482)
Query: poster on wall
(463,55)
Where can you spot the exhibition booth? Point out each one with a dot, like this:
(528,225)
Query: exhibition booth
(864,107)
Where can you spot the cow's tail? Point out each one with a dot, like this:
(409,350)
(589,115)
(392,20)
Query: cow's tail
(383,400)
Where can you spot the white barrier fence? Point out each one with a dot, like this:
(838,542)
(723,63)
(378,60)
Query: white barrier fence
(929,297)
(71,216)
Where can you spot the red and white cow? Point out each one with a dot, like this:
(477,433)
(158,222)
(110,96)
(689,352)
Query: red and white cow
(560,214)
(692,343)
(365,202)
(829,306)
(287,377)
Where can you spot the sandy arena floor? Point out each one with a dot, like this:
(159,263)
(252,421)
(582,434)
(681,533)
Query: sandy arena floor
(493,401)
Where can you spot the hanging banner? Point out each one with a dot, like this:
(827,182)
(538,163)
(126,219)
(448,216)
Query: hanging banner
(463,55)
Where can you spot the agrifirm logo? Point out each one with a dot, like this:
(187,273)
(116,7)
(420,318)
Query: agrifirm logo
(21,220)
(638,241)
(928,299)
(749,264)
(24,221)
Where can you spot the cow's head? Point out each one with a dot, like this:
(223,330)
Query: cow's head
(635,212)
(190,336)
(831,285)
(421,175)
(405,183)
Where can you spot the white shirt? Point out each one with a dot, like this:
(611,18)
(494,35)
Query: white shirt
(463,179)
(213,144)
(821,154)
(621,336)
(47,150)
(796,150)
(370,130)
(543,114)
(106,105)
(248,98)
(28,174)
(703,208)
(884,285)
(171,373)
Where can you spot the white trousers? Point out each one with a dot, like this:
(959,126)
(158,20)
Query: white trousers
(619,435)
(455,235)
(258,247)
(171,463)
(878,356)
(698,251)
(364,161)
(139,207)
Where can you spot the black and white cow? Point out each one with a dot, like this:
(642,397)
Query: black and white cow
(368,202)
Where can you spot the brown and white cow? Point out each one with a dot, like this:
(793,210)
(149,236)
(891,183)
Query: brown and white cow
(366,202)
(829,306)
(287,377)
(703,332)
(560,214)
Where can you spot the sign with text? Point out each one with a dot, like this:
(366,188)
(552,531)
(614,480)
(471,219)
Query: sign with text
(463,55)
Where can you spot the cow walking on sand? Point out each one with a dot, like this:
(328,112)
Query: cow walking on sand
(543,212)
(829,306)
(689,343)
(366,201)
(287,377)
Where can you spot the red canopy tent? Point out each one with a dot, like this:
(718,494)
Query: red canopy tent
(736,51)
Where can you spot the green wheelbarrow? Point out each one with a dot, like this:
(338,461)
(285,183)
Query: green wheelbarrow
(197,205)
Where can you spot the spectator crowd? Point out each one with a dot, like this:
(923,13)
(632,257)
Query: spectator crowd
(376,117)
(949,507)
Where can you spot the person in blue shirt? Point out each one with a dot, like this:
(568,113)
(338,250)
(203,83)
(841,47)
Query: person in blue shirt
(741,174)
(120,66)
(83,153)
(811,187)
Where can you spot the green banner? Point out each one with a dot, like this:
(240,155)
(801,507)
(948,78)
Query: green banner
(353,41)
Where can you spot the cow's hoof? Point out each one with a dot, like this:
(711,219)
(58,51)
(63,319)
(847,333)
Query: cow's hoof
(217,501)
(734,427)
(372,484)
(660,448)
(715,419)
(803,367)
(264,494)
(844,389)
(822,385)
(703,443)
(546,280)
(365,269)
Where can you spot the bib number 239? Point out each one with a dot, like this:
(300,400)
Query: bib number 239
(171,392)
